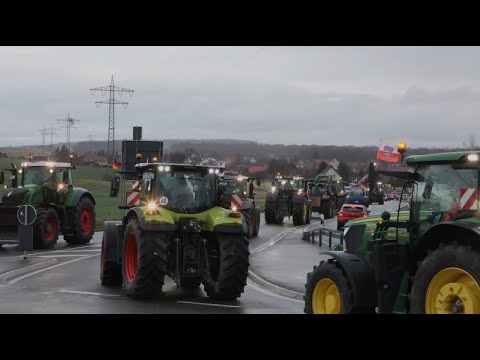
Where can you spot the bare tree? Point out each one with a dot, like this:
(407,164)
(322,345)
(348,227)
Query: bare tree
(471,144)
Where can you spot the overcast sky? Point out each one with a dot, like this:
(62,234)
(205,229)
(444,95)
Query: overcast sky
(427,96)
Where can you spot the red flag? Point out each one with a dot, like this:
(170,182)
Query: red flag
(388,153)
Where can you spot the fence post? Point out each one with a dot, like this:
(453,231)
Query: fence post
(329,239)
(320,237)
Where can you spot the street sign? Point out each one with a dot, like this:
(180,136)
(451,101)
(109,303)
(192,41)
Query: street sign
(26,214)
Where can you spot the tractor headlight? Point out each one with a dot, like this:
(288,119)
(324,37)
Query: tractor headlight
(60,187)
(217,171)
(234,208)
(299,191)
(20,171)
(472,157)
(274,188)
(210,171)
(161,168)
(50,171)
(167,168)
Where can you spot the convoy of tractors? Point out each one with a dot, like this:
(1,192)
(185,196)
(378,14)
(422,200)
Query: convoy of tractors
(193,224)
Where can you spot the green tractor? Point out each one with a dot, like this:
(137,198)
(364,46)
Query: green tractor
(327,195)
(180,230)
(61,207)
(288,197)
(424,259)
(238,194)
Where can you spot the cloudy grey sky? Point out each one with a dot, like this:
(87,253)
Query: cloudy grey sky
(427,96)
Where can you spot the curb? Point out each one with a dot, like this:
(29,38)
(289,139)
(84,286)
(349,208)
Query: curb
(274,288)
(20,271)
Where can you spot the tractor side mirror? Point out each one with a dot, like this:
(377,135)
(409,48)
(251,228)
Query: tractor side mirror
(114,186)
(258,182)
(2,177)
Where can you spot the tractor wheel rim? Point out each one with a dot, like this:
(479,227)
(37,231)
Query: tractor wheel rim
(86,221)
(50,228)
(131,257)
(326,298)
(453,291)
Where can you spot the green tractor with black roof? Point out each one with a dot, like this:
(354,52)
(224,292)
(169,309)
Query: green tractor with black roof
(288,197)
(425,259)
(61,208)
(179,230)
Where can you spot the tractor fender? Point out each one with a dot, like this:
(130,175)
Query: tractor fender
(79,193)
(138,213)
(271,197)
(460,231)
(360,276)
(112,236)
(249,204)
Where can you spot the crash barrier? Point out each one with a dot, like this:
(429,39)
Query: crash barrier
(316,230)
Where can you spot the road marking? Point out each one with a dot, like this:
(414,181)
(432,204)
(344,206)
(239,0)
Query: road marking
(54,251)
(58,256)
(9,274)
(49,268)
(274,240)
(208,304)
(86,293)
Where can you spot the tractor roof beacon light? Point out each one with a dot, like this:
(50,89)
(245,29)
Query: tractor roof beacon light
(402,148)
(71,159)
(154,159)
(138,156)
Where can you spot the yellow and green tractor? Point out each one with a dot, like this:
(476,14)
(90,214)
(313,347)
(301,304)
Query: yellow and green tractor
(179,230)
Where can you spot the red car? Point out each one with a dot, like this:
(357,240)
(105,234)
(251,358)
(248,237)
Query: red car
(350,212)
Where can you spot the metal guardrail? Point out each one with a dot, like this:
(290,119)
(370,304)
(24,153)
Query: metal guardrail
(316,230)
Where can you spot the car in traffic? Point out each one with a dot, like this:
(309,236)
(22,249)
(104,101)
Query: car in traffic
(350,212)
(357,196)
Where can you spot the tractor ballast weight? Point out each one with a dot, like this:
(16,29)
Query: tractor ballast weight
(288,197)
(180,230)
(61,207)
(422,259)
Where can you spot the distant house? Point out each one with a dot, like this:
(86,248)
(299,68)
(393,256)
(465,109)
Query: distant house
(255,169)
(330,171)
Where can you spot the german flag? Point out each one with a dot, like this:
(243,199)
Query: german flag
(115,164)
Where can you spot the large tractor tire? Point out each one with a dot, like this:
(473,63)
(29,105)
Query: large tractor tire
(256,227)
(143,264)
(228,268)
(46,228)
(110,272)
(309,215)
(380,200)
(190,283)
(447,282)
(83,222)
(328,291)
(272,213)
(299,214)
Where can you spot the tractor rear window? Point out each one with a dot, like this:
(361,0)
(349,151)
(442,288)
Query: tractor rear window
(316,190)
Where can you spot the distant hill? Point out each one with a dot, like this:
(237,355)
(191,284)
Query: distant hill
(223,148)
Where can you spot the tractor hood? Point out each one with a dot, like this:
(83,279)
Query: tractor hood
(18,196)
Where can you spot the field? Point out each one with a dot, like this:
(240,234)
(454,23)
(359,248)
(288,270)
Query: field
(97,181)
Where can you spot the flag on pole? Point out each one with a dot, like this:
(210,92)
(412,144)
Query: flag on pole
(115,164)
(388,153)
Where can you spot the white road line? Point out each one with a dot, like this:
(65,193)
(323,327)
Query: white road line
(254,286)
(86,293)
(208,304)
(274,240)
(54,251)
(59,256)
(49,268)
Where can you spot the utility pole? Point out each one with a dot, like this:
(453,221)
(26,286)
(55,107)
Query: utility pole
(111,112)
(53,131)
(69,124)
(44,132)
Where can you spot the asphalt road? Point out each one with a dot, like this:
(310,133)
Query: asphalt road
(66,280)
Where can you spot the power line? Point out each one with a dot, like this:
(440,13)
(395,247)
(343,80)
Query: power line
(69,124)
(52,131)
(44,132)
(111,112)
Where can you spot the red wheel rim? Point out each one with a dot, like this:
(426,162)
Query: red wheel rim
(86,221)
(50,228)
(131,257)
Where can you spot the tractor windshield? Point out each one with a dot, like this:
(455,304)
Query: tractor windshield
(446,189)
(287,184)
(185,191)
(317,190)
(36,175)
